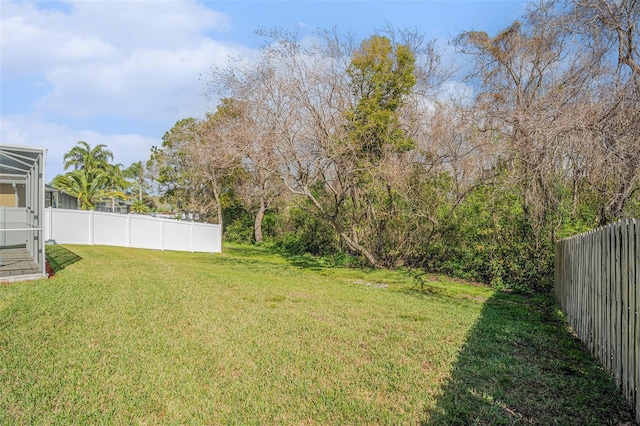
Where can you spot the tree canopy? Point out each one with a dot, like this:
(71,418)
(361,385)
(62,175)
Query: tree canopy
(383,152)
(93,179)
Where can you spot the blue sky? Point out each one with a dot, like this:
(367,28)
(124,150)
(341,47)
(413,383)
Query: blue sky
(123,72)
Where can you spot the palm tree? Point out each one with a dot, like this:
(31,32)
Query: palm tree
(87,187)
(137,172)
(83,156)
(116,182)
(138,206)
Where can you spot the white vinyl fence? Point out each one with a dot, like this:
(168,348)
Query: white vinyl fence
(13,225)
(139,231)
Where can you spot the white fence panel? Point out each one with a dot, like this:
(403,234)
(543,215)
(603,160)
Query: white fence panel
(14,215)
(177,235)
(89,227)
(203,236)
(69,226)
(13,218)
(110,229)
(146,232)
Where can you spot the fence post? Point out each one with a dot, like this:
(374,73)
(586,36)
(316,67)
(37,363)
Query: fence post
(191,236)
(162,234)
(636,309)
(3,234)
(624,299)
(128,230)
(91,227)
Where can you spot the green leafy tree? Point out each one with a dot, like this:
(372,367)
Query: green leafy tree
(333,114)
(381,76)
(196,165)
(169,166)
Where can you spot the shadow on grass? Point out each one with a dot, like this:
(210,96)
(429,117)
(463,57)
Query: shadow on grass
(520,365)
(60,257)
(248,254)
(243,250)
(305,261)
(427,291)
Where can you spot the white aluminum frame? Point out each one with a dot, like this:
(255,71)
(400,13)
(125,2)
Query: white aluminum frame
(21,164)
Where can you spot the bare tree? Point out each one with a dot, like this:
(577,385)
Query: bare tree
(535,78)
(333,115)
(196,163)
(254,143)
(613,30)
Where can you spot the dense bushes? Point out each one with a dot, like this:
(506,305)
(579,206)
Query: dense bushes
(487,239)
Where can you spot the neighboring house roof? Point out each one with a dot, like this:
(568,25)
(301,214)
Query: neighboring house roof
(49,188)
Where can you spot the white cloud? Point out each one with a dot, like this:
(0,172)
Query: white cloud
(59,139)
(37,40)
(148,24)
(147,83)
(131,67)
(128,58)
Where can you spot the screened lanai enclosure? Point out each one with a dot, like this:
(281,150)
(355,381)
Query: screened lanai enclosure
(21,213)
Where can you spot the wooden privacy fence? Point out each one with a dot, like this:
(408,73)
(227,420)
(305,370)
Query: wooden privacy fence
(597,284)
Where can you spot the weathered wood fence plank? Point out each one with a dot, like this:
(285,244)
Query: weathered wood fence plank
(597,285)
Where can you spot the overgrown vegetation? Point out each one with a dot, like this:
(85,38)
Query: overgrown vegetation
(253,337)
(380,149)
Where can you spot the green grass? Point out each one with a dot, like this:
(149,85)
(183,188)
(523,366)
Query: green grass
(126,336)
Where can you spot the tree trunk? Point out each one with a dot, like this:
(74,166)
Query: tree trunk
(373,261)
(257,226)
(352,243)
(216,196)
(219,209)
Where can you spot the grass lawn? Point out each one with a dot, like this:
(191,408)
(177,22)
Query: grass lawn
(126,336)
